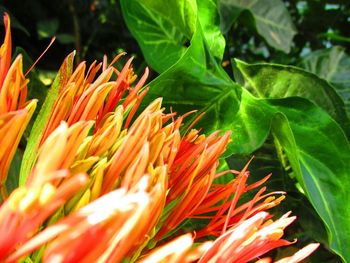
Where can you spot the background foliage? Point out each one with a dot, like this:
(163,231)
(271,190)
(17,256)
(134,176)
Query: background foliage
(272,71)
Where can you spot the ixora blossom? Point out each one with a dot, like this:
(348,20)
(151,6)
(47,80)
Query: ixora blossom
(106,184)
(15,112)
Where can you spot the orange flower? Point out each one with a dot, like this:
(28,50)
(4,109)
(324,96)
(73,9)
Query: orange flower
(227,214)
(50,186)
(59,151)
(5,50)
(15,112)
(301,254)
(27,208)
(191,176)
(247,241)
(178,250)
(82,97)
(105,230)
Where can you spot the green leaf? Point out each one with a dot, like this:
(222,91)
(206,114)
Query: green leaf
(319,154)
(161,38)
(317,148)
(336,37)
(332,65)
(30,153)
(164,29)
(279,81)
(13,174)
(47,28)
(285,144)
(271,17)
(65,38)
(210,20)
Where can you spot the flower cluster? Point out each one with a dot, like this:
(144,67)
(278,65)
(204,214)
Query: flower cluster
(109,184)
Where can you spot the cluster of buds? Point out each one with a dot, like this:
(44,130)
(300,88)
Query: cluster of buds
(107,184)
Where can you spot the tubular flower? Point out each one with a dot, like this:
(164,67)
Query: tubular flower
(15,112)
(109,185)
(108,228)
(242,243)
(178,250)
(27,208)
(87,97)
(50,187)
(59,151)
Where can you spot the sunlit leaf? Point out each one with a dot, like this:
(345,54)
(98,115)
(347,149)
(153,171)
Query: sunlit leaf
(280,81)
(271,158)
(319,154)
(317,148)
(164,29)
(162,39)
(210,21)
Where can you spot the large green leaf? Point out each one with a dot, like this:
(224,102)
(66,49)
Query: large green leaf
(161,41)
(280,81)
(164,29)
(30,153)
(316,146)
(271,17)
(319,154)
(210,21)
(332,65)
